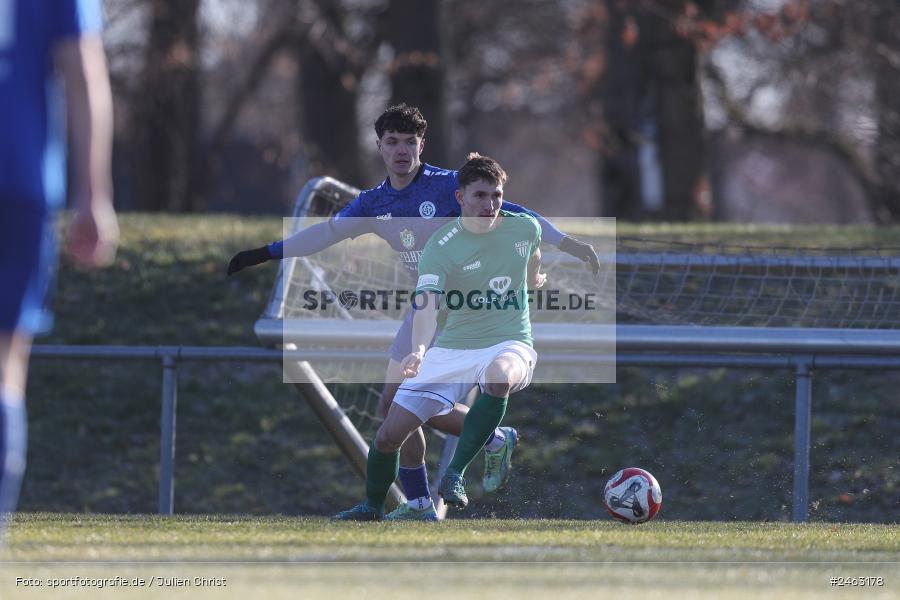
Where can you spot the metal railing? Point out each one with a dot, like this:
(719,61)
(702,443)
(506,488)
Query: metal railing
(799,350)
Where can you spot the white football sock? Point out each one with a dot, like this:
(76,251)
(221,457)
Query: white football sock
(496,442)
(423,503)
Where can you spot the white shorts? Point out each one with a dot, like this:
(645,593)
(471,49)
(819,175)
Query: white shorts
(446,375)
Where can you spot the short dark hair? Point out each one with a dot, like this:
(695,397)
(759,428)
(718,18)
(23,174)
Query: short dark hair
(483,168)
(401,118)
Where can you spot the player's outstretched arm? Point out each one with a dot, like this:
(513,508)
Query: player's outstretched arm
(94,232)
(303,243)
(581,250)
(249,258)
(552,235)
(549,232)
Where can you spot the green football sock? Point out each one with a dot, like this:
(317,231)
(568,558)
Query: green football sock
(381,471)
(484,416)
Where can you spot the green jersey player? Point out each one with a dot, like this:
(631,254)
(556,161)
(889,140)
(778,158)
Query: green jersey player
(477,269)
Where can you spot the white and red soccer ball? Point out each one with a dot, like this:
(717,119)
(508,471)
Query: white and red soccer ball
(632,495)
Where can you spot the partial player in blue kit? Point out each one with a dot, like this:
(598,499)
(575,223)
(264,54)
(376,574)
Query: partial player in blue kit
(35,37)
(413,201)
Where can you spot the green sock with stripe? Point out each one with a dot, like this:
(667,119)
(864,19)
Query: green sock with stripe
(483,418)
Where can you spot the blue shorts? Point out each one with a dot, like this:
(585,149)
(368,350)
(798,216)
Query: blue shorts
(27,266)
(402,345)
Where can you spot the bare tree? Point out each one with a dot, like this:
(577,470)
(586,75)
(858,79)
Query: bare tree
(332,62)
(838,64)
(612,101)
(414,29)
(885,54)
(166,117)
(649,100)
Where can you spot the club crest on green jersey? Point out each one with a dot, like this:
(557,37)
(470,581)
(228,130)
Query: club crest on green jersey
(500,284)
(408,239)
(522,247)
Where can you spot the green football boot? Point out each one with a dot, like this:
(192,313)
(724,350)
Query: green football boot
(360,512)
(453,490)
(405,512)
(498,464)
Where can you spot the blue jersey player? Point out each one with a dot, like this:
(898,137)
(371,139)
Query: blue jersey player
(413,201)
(35,37)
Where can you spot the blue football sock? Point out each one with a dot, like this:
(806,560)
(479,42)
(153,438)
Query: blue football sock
(13,434)
(415,483)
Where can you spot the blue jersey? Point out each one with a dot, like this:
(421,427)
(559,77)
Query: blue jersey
(406,218)
(32,156)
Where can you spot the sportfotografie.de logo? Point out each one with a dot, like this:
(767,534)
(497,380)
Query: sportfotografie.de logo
(496,298)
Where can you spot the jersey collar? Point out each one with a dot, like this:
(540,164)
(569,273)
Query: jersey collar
(387,181)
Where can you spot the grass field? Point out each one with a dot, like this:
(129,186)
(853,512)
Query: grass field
(719,441)
(287,557)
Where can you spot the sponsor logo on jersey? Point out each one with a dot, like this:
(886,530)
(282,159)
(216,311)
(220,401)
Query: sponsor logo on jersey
(500,284)
(447,237)
(472,266)
(408,239)
(427,279)
(522,247)
(427,209)
(384,217)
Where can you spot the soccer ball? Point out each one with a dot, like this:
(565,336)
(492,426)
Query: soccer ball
(632,495)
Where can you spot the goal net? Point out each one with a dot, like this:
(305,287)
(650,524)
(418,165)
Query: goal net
(664,282)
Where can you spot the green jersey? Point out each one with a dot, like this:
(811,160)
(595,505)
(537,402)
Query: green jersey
(483,280)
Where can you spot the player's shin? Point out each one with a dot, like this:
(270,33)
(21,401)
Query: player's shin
(381,471)
(483,418)
(13,424)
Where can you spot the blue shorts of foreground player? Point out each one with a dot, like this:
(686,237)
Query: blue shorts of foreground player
(28,254)
(402,345)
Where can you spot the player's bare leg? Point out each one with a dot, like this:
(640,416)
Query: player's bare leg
(14,350)
(413,472)
(502,373)
(395,429)
(505,373)
(452,422)
(412,454)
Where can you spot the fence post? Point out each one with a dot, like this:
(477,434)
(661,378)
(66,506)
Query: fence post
(167,436)
(802,415)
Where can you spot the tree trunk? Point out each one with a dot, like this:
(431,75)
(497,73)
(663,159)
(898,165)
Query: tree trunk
(671,74)
(621,100)
(328,92)
(651,100)
(167,116)
(887,91)
(418,72)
